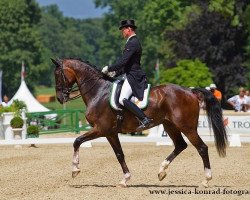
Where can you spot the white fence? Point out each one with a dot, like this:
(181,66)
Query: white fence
(238,127)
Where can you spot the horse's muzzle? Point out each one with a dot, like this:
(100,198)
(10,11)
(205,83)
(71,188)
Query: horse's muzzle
(60,101)
(62,98)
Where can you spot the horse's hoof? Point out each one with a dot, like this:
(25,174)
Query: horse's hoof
(162,175)
(75,173)
(205,183)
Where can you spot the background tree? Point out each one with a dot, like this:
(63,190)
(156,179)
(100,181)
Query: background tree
(173,15)
(19,42)
(188,73)
(246,19)
(67,37)
(218,42)
(216,32)
(153,19)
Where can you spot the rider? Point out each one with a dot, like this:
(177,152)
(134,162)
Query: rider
(136,80)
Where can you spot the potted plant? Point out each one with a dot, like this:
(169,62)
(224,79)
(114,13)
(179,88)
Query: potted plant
(33,131)
(6,114)
(16,124)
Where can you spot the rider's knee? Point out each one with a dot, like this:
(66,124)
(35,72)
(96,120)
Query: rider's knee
(121,100)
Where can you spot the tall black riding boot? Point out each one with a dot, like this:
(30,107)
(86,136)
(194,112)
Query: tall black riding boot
(146,122)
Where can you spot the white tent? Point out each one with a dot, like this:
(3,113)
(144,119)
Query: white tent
(24,94)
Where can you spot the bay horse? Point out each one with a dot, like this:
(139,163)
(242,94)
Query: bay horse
(176,107)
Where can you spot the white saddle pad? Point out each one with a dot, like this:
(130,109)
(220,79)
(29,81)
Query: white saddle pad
(141,104)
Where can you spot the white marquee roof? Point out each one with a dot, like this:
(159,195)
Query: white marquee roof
(24,94)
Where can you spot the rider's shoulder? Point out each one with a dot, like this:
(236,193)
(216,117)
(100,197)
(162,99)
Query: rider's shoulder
(133,41)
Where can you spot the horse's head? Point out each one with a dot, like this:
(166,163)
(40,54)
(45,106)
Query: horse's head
(64,79)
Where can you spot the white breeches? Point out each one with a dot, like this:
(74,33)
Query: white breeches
(126,92)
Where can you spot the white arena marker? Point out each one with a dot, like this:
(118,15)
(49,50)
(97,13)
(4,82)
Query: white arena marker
(158,133)
(235,140)
(166,143)
(86,144)
(153,132)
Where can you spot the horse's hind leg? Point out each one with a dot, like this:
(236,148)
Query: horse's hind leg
(179,144)
(90,135)
(202,149)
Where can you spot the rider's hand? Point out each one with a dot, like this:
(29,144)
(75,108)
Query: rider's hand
(105,70)
(111,74)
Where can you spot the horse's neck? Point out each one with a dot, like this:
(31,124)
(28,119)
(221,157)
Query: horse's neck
(92,89)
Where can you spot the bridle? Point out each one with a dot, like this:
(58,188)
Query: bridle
(66,91)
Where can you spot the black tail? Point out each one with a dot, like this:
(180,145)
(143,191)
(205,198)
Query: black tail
(215,118)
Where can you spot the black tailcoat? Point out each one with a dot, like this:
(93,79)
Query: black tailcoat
(130,64)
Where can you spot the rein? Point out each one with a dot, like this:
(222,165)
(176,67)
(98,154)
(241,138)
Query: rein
(66,91)
(79,95)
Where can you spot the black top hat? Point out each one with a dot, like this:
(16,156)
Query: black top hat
(127,23)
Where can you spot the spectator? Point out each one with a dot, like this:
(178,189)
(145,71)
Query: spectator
(5,102)
(247,105)
(215,92)
(240,102)
(247,93)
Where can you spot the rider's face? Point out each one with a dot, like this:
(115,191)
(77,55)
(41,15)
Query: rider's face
(126,32)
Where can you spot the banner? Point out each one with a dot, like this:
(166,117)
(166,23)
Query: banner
(235,124)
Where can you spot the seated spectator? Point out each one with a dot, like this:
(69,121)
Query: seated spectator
(240,102)
(5,102)
(216,92)
(247,105)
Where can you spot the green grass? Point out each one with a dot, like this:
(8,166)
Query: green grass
(45,90)
(74,104)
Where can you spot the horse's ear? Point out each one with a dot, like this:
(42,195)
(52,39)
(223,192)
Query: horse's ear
(56,62)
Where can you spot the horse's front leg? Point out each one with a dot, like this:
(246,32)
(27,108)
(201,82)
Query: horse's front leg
(116,145)
(90,135)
